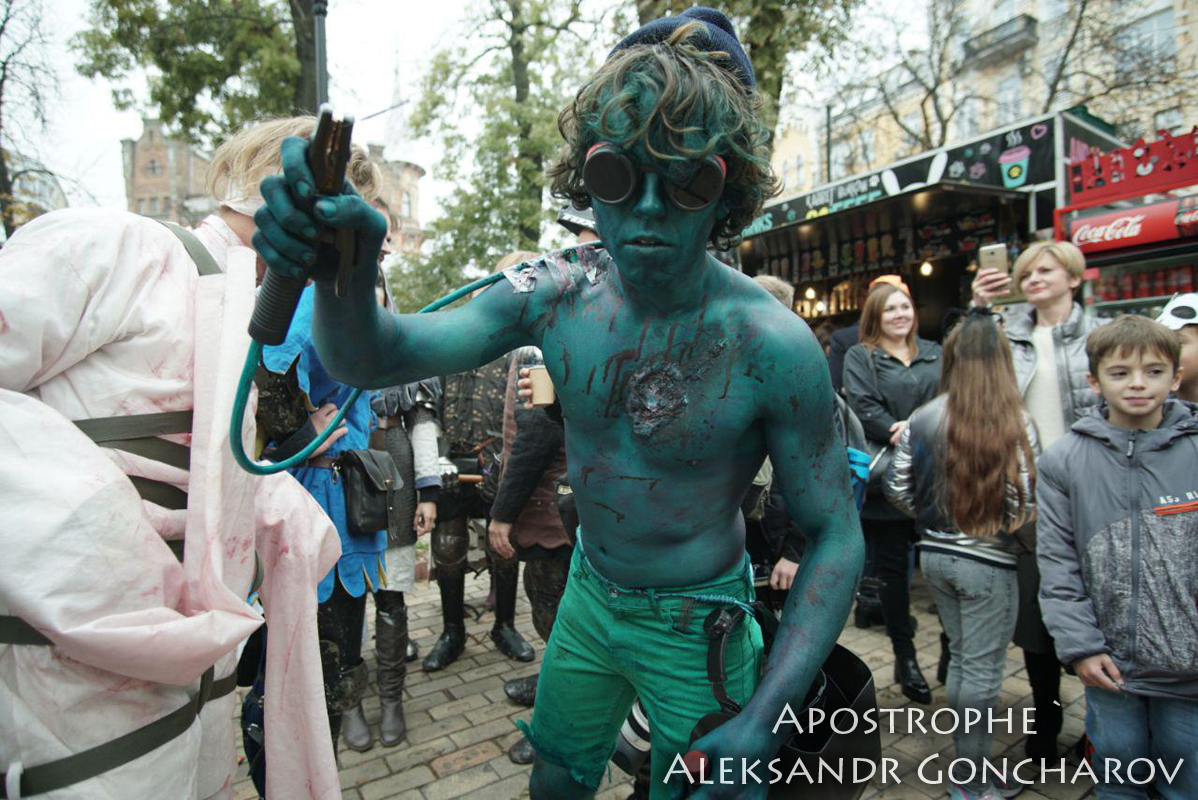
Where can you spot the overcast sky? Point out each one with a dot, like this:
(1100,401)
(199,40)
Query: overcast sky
(367,39)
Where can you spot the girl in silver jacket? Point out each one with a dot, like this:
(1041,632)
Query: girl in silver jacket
(964,469)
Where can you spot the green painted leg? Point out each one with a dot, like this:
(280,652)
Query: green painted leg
(551,782)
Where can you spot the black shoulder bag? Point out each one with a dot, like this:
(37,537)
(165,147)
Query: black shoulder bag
(371,480)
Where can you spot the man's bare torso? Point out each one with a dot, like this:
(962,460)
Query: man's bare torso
(663,436)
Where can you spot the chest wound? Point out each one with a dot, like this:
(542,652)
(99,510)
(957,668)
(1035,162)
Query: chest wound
(656,396)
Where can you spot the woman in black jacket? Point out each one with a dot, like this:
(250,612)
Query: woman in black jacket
(889,374)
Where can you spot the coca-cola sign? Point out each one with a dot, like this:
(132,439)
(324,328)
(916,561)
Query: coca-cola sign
(1126,227)
(1112,230)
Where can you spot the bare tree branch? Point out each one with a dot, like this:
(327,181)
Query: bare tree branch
(26,81)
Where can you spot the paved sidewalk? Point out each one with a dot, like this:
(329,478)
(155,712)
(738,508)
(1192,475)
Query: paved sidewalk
(460,723)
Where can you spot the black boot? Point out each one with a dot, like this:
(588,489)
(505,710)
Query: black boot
(909,677)
(504,634)
(412,653)
(522,752)
(523,691)
(453,638)
(391,634)
(1042,744)
(868,611)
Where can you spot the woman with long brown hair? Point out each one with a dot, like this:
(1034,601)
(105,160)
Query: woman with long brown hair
(964,469)
(887,375)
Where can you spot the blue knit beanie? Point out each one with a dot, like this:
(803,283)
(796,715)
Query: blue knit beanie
(721,36)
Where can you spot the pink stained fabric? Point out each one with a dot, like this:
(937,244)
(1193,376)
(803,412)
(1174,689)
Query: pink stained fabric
(100,314)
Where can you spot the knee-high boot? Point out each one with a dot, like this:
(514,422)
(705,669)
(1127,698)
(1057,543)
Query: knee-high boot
(505,636)
(449,546)
(446,650)
(391,632)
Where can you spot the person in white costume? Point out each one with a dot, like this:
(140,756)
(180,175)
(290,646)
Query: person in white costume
(103,631)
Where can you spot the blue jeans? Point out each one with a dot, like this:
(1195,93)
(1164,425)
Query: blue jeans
(978,603)
(1124,726)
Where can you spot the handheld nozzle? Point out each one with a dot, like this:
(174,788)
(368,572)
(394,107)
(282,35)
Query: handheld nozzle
(328,157)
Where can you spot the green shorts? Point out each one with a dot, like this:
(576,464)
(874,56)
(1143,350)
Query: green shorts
(611,644)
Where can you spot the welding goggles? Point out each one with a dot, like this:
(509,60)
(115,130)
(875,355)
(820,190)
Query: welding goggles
(610,177)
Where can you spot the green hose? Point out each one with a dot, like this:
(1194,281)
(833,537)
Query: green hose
(247,378)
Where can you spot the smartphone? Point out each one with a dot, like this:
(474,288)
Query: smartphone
(542,387)
(994,256)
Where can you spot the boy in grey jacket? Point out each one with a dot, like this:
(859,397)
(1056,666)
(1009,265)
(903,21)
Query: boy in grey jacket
(1117,546)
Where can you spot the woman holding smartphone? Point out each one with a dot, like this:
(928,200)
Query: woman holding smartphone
(1048,347)
(887,375)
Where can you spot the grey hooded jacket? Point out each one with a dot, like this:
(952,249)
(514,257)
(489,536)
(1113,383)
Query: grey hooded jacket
(1069,339)
(1117,547)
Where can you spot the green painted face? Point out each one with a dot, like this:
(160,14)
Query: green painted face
(652,240)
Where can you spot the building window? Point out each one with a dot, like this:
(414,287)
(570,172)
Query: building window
(1168,120)
(868,140)
(799,181)
(842,159)
(967,120)
(406,206)
(1008,97)
(1151,38)
(152,167)
(911,128)
(141,205)
(153,205)
(1051,9)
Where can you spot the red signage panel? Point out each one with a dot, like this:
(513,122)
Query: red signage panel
(1144,168)
(1156,222)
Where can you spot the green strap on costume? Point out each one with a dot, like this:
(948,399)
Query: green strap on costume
(14,630)
(205,263)
(138,433)
(118,752)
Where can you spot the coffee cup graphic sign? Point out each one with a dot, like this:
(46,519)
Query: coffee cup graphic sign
(1013,165)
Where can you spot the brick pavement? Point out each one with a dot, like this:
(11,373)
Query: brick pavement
(460,723)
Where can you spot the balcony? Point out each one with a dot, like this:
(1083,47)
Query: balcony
(1001,42)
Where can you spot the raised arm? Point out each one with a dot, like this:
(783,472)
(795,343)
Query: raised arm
(360,343)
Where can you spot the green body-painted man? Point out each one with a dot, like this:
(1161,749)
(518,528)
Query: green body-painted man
(676,374)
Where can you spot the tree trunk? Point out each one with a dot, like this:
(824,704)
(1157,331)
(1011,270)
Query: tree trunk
(529,164)
(1054,82)
(305,50)
(767,51)
(7,201)
(649,10)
